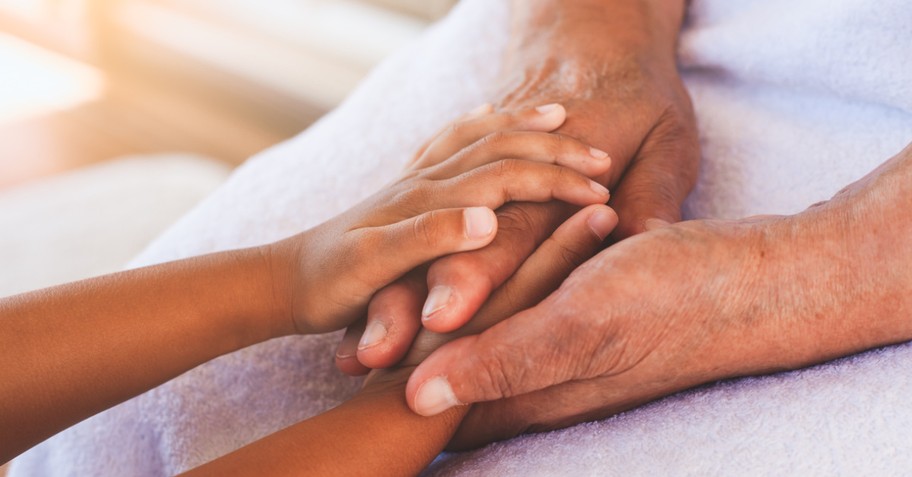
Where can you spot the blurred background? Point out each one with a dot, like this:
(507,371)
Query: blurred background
(118,116)
(86,80)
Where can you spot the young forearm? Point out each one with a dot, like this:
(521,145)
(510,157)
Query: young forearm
(374,433)
(74,350)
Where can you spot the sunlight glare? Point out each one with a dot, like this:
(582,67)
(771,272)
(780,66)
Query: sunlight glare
(36,81)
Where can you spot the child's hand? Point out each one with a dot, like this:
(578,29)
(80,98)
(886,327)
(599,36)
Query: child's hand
(567,248)
(443,204)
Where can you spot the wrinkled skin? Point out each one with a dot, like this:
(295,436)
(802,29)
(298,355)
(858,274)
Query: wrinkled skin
(692,303)
(441,205)
(623,95)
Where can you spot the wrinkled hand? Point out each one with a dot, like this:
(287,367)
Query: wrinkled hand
(577,238)
(441,205)
(624,98)
(684,305)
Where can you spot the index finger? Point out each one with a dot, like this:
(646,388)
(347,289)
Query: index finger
(462,134)
(460,284)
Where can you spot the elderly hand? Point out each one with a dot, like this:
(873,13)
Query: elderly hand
(613,67)
(688,304)
(442,204)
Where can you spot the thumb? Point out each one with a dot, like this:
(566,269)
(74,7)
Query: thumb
(385,253)
(508,359)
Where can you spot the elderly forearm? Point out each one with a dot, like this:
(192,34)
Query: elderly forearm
(603,27)
(863,263)
(599,58)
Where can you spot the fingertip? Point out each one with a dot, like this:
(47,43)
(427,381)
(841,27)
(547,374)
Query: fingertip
(346,357)
(599,163)
(426,381)
(438,299)
(351,366)
(392,322)
(600,191)
(481,110)
(480,224)
(444,321)
(374,334)
(376,358)
(549,117)
(447,314)
(380,347)
(430,389)
(433,397)
(602,220)
(599,154)
(459,287)
(547,109)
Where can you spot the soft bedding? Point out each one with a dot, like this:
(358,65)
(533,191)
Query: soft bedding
(794,99)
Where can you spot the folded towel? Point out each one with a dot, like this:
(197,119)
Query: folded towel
(782,128)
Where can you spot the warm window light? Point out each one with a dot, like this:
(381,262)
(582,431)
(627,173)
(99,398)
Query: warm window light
(35,81)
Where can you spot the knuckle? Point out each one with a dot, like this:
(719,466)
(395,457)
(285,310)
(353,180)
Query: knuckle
(415,196)
(561,175)
(456,129)
(570,255)
(472,269)
(559,144)
(426,228)
(560,139)
(493,376)
(494,139)
(364,245)
(507,168)
(516,219)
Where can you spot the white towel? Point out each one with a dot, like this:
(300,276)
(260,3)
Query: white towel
(795,99)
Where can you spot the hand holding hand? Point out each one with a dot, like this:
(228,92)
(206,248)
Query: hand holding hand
(684,305)
(613,67)
(442,205)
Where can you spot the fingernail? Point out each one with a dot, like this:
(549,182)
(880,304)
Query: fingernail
(598,153)
(479,222)
(435,396)
(601,222)
(480,111)
(598,188)
(547,108)
(650,224)
(373,335)
(437,300)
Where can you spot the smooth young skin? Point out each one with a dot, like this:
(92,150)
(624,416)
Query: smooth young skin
(687,304)
(377,426)
(74,350)
(612,64)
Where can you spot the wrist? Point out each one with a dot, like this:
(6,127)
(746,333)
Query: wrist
(829,283)
(390,384)
(566,51)
(600,28)
(273,272)
(869,219)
